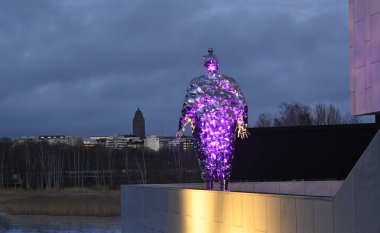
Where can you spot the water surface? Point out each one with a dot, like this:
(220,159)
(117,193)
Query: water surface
(58,224)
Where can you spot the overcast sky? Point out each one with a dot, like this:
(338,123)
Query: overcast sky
(83,67)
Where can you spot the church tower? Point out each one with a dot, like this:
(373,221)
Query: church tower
(139,124)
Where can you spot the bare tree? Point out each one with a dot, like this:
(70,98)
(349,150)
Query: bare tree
(111,166)
(141,167)
(333,115)
(265,120)
(178,164)
(320,114)
(293,114)
(296,114)
(5,146)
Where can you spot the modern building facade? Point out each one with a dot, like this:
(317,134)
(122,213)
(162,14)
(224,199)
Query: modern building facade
(184,143)
(364,42)
(139,124)
(60,139)
(122,141)
(152,142)
(114,141)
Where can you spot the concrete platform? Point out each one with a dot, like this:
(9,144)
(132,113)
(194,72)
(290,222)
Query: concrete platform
(350,206)
(308,188)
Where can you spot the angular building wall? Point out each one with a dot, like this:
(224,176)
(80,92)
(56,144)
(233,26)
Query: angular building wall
(357,203)
(364,29)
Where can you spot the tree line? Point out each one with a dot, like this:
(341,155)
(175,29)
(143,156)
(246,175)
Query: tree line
(40,165)
(297,114)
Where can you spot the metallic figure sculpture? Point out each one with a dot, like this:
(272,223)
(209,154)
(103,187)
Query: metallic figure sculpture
(216,110)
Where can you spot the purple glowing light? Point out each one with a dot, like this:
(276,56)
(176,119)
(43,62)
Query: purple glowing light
(211,66)
(216,109)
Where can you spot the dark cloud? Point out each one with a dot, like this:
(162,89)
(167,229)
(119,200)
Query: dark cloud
(83,67)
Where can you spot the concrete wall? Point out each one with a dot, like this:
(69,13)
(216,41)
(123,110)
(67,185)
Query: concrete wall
(304,188)
(355,208)
(364,32)
(357,203)
(172,210)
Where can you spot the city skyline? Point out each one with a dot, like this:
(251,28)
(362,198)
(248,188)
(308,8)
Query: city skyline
(83,68)
(129,133)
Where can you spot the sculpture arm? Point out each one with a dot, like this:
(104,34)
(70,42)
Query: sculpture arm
(187,117)
(242,124)
(189,109)
(242,116)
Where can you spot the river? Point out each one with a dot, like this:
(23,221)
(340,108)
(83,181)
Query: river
(58,224)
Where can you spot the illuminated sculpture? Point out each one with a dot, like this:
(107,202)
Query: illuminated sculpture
(216,110)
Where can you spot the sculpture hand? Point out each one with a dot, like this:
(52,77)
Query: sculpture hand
(179,134)
(242,132)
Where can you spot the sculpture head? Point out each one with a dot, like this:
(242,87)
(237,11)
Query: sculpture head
(211,63)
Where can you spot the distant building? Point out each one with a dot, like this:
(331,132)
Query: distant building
(95,140)
(101,140)
(165,141)
(174,143)
(122,141)
(25,139)
(74,141)
(185,143)
(136,144)
(89,142)
(53,139)
(139,124)
(152,142)
(114,142)
(60,139)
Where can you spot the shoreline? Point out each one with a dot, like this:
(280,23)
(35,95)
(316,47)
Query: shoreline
(66,202)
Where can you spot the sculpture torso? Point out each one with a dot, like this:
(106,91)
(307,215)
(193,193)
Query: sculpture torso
(216,97)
